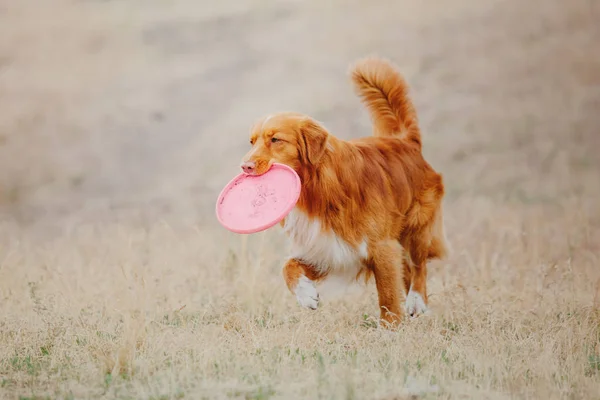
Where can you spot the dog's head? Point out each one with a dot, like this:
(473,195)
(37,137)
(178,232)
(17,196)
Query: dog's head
(292,139)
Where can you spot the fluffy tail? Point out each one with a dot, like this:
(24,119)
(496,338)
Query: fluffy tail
(385,93)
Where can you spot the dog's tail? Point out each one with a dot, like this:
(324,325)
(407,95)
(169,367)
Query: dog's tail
(385,93)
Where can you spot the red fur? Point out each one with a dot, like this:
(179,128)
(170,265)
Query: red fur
(385,93)
(376,189)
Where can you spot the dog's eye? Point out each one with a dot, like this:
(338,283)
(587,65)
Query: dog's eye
(252,142)
(274,140)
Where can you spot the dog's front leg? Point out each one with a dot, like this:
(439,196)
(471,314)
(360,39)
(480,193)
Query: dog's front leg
(300,279)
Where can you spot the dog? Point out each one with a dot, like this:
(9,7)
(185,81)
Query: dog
(368,207)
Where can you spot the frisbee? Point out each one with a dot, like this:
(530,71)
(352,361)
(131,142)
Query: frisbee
(254,203)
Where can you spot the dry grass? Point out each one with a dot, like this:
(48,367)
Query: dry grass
(146,313)
(117,282)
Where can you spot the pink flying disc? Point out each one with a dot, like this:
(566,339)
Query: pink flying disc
(253,203)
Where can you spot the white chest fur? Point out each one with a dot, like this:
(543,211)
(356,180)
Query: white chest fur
(323,250)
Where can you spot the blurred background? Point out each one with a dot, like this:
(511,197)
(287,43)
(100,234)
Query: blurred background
(121,121)
(122,109)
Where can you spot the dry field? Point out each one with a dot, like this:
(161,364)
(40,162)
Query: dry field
(120,121)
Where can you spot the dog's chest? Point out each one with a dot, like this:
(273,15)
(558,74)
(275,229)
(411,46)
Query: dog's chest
(324,250)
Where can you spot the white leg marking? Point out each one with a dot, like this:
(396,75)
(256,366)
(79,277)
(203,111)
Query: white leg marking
(414,304)
(306,293)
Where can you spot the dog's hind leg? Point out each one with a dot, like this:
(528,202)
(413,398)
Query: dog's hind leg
(426,240)
(439,247)
(429,243)
(385,261)
(406,272)
(416,299)
(418,248)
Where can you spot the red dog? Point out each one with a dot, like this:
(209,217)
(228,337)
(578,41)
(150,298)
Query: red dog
(363,201)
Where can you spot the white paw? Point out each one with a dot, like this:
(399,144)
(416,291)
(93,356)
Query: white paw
(306,293)
(414,304)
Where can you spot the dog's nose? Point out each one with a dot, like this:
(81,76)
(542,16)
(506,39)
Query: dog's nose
(248,167)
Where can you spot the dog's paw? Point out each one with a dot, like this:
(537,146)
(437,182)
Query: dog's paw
(415,305)
(306,293)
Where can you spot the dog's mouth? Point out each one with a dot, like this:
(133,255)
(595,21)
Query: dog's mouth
(261,171)
(256,168)
(253,173)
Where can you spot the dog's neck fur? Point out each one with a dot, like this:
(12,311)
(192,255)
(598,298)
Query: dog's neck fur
(329,192)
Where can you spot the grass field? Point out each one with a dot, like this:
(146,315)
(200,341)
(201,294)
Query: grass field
(120,121)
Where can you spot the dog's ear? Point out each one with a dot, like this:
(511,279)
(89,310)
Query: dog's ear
(313,141)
